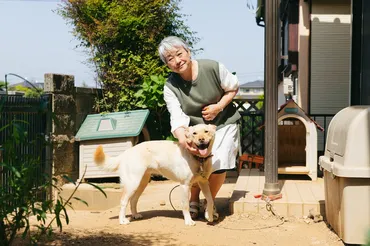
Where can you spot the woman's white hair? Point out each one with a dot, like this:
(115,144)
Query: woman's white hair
(169,43)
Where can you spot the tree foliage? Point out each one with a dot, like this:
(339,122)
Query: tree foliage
(122,37)
(2,85)
(29,92)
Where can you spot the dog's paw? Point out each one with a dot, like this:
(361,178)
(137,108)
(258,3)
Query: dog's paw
(190,222)
(137,216)
(211,218)
(206,216)
(124,221)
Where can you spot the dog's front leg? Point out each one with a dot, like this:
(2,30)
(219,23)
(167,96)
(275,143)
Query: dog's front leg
(204,186)
(185,205)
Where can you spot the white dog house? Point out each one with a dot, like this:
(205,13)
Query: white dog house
(297,141)
(116,132)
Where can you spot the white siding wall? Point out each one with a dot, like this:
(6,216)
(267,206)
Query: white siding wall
(330,56)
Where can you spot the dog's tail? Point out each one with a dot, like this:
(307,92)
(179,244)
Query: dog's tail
(104,161)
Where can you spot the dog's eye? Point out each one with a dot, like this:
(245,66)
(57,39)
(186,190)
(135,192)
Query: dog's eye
(194,133)
(205,131)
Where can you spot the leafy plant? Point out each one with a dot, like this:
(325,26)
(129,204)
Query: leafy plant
(259,105)
(29,92)
(24,194)
(150,96)
(2,85)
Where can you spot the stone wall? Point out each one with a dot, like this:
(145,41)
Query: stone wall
(70,105)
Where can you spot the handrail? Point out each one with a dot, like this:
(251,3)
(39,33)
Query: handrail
(16,75)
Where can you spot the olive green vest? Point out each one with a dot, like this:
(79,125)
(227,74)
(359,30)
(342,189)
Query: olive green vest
(205,90)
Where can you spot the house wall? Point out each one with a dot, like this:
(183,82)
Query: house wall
(330,56)
(250,93)
(281,95)
(324,55)
(303,57)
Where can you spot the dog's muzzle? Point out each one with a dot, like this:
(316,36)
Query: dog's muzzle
(202,145)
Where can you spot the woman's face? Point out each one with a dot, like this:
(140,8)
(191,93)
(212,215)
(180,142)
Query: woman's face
(178,59)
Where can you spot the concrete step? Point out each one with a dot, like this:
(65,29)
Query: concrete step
(92,196)
(298,196)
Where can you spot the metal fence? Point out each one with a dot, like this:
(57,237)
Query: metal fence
(251,133)
(31,117)
(323,120)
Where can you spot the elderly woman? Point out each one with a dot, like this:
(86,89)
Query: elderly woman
(201,91)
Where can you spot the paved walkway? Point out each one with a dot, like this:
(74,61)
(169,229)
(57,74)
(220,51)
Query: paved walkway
(298,196)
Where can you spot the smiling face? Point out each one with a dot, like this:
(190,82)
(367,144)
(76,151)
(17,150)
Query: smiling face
(201,137)
(178,60)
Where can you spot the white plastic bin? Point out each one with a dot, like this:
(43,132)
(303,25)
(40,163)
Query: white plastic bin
(346,165)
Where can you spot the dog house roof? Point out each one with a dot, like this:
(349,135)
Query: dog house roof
(112,125)
(291,107)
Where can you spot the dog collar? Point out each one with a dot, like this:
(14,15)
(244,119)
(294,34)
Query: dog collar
(202,159)
(201,162)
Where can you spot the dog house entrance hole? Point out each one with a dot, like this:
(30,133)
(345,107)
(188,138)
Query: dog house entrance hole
(292,144)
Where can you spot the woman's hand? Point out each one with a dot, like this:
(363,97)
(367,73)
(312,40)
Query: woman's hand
(187,145)
(183,141)
(211,111)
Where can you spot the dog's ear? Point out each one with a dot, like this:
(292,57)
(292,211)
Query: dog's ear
(188,134)
(212,127)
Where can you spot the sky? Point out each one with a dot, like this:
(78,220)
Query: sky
(35,40)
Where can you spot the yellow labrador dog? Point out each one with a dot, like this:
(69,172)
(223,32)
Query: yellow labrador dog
(169,159)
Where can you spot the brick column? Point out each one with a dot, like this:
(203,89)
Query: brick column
(64,150)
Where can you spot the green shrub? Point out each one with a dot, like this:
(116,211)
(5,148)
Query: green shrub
(150,96)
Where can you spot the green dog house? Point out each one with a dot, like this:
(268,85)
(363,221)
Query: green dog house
(116,132)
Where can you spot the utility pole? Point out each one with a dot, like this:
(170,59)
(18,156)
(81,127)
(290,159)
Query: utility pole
(272,45)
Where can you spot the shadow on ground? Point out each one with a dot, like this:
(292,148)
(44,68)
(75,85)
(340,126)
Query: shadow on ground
(103,238)
(221,203)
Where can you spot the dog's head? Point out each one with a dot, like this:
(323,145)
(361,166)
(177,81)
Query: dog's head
(201,137)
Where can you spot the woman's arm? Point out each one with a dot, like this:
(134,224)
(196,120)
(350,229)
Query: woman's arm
(178,119)
(230,84)
(211,111)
